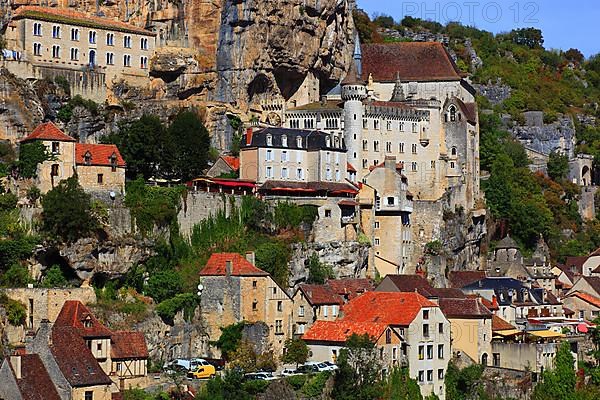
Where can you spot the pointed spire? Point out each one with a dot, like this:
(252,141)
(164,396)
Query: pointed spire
(398,93)
(357,56)
(352,78)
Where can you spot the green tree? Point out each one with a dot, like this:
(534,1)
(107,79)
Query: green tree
(574,55)
(317,271)
(230,339)
(66,211)
(296,351)
(399,386)
(558,166)
(30,155)
(530,37)
(359,370)
(187,145)
(15,276)
(273,257)
(463,384)
(163,285)
(559,383)
(140,143)
(54,278)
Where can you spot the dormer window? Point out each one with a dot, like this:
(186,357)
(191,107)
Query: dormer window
(87,323)
(87,158)
(284,141)
(328,141)
(298,141)
(269,140)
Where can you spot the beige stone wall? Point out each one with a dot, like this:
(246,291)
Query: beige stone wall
(582,309)
(64,158)
(525,356)
(303,314)
(46,304)
(279,309)
(249,167)
(88,177)
(98,392)
(473,337)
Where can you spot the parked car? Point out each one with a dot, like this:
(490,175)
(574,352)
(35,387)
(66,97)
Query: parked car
(218,363)
(203,372)
(318,366)
(290,372)
(331,366)
(186,364)
(259,376)
(307,368)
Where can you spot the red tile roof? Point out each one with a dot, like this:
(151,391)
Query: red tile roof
(217,263)
(399,166)
(339,331)
(351,287)
(35,383)
(76,315)
(498,324)
(48,131)
(412,283)
(77,18)
(320,295)
(128,345)
(389,308)
(101,154)
(412,61)
(595,253)
(233,162)
(350,168)
(464,308)
(588,298)
(75,360)
(449,293)
(460,279)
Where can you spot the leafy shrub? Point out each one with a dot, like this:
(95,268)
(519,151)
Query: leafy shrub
(8,201)
(167,309)
(230,339)
(317,271)
(255,387)
(30,155)
(315,384)
(63,83)
(54,278)
(15,276)
(289,215)
(66,112)
(15,310)
(296,381)
(164,285)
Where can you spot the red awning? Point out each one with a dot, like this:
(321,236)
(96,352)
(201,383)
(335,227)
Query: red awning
(293,189)
(345,191)
(233,183)
(582,328)
(350,203)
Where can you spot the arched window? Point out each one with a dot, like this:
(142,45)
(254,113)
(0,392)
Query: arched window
(454,151)
(298,141)
(452,114)
(328,141)
(284,141)
(484,359)
(269,140)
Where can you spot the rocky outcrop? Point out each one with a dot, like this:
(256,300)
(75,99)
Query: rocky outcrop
(347,259)
(496,93)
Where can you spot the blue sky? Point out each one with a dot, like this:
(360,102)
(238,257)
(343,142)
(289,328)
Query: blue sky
(565,24)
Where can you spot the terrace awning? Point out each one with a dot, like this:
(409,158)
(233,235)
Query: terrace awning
(546,334)
(508,332)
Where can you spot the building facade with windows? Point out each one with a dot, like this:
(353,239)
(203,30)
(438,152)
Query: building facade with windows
(236,290)
(89,51)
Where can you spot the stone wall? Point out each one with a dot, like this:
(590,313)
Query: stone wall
(199,206)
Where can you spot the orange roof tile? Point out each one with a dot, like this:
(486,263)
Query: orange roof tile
(127,345)
(217,263)
(464,308)
(339,331)
(76,315)
(48,131)
(350,168)
(100,154)
(233,162)
(77,18)
(390,308)
(498,324)
(320,295)
(349,288)
(593,300)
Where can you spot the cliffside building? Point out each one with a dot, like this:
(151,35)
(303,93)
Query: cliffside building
(99,167)
(88,51)
(409,101)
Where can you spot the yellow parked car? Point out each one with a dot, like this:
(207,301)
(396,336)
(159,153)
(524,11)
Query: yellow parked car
(203,372)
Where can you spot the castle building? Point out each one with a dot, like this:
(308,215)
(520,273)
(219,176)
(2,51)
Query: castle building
(409,101)
(88,51)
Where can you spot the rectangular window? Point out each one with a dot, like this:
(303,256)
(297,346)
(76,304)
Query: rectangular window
(377,224)
(54,170)
(126,60)
(401,147)
(92,37)
(388,337)
(413,166)
(284,156)
(88,395)
(254,305)
(395,353)
(74,54)
(37,49)
(421,376)
(284,173)
(365,163)
(414,149)
(100,179)
(269,172)
(421,352)
(441,351)
(143,62)
(299,174)
(118,367)
(429,375)
(278,326)
(388,147)
(110,39)
(74,34)
(328,175)
(37,29)
(338,175)
(415,128)
(376,124)
(127,41)
(440,374)
(56,51)
(334,310)
(327,213)
(376,145)
(425,330)
(376,242)
(301,311)
(425,314)
(269,155)
(301,328)
(365,124)
(430,352)
(325,311)
(441,328)
(56,32)
(401,127)
(280,306)
(55,147)
(99,347)
(110,59)
(144,43)
(254,284)
(389,125)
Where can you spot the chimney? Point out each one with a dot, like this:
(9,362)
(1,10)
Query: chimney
(251,257)
(228,267)
(15,361)
(249,133)
(494,302)
(390,162)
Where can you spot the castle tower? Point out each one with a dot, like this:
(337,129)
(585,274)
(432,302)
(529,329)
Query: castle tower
(357,56)
(354,91)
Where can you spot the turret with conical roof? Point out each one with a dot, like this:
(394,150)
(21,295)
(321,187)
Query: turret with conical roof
(354,92)
(398,93)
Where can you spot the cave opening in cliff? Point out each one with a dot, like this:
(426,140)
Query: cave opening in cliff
(288,81)
(52,258)
(260,84)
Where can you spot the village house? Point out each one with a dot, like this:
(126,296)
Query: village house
(584,305)
(586,284)
(225,166)
(235,290)
(460,279)
(87,51)
(24,377)
(416,332)
(314,303)
(349,288)
(99,167)
(386,207)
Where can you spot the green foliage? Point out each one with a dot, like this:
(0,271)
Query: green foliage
(8,201)
(152,205)
(34,194)
(296,352)
(399,386)
(559,383)
(66,112)
(230,387)
(288,215)
(63,83)
(163,285)
(183,301)
(236,124)
(16,312)
(434,248)
(558,166)
(529,37)
(54,278)
(296,381)
(273,257)
(30,155)
(317,271)
(185,148)
(463,384)
(230,339)
(67,211)
(314,385)
(255,387)
(359,370)
(139,394)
